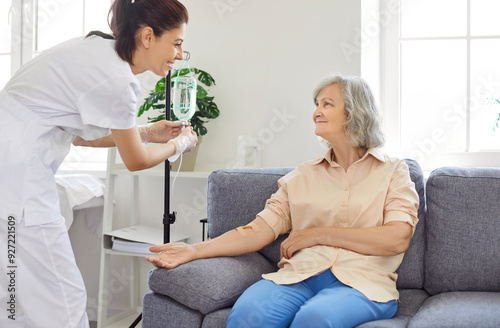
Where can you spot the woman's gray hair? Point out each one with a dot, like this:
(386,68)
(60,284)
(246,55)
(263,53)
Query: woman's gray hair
(364,120)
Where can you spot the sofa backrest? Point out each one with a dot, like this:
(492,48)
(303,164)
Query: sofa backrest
(463,228)
(235,196)
(411,271)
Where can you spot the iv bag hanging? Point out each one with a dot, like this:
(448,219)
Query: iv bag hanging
(184,93)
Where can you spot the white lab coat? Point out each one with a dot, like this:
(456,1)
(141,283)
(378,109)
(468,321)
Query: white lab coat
(78,88)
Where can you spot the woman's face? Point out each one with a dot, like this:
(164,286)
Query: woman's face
(165,50)
(330,116)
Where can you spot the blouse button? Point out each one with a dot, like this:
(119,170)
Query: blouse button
(343,204)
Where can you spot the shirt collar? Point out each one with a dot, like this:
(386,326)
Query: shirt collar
(375,152)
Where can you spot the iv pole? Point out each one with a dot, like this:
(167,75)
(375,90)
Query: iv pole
(168,218)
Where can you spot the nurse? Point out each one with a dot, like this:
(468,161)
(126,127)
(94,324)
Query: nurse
(83,91)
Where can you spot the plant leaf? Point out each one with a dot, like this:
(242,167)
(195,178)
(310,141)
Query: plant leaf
(156,119)
(160,85)
(182,72)
(197,124)
(208,107)
(153,99)
(205,78)
(200,92)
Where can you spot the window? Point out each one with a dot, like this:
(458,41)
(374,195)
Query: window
(28,27)
(60,20)
(5,42)
(438,89)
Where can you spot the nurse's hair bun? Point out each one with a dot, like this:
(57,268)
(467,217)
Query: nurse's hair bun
(127,17)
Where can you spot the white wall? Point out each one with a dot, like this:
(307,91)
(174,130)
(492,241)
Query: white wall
(266,57)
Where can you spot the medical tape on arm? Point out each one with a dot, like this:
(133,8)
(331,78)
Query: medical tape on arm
(252,226)
(241,231)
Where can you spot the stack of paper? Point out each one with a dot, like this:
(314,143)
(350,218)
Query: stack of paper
(130,246)
(137,239)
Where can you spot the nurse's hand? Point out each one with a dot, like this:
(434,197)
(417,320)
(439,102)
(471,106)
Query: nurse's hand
(186,141)
(172,255)
(160,132)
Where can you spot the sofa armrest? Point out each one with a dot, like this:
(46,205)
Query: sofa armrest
(210,284)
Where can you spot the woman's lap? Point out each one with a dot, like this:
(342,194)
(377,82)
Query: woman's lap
(322,300)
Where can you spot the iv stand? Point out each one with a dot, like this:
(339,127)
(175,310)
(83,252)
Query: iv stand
(168,218)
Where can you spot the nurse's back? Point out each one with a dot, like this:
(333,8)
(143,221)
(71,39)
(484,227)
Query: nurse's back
(73,83)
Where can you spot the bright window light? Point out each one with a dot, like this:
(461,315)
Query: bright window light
(433,18)
(442,81)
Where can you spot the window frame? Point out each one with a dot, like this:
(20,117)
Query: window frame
(390,96)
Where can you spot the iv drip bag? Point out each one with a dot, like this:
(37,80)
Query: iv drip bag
(184,94)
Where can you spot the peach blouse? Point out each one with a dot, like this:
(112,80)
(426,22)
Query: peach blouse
(373,191)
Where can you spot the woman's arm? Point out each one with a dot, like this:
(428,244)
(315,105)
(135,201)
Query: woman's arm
(390,239)
(106,141)
(136,157)
(240,241)
(159,132)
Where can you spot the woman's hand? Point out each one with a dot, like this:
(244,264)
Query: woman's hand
(160,132)
(172,255)
(186,141)
(299,239)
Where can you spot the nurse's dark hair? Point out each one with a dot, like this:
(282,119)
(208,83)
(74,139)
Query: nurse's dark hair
(127,17)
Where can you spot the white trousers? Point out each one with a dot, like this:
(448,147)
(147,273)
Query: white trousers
(41,284)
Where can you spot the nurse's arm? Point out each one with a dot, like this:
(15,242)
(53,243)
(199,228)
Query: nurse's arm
(106,141)
(135,156)
(159,132)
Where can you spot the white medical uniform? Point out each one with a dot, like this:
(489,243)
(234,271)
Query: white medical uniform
(78,88)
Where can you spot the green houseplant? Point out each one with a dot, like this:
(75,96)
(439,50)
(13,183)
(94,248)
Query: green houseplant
(206,108)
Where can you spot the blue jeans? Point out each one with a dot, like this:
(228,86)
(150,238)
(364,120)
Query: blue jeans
(319,301)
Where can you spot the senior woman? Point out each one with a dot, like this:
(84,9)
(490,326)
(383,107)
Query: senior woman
(350,217)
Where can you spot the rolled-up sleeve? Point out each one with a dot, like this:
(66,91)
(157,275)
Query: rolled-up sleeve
(401,203)
(277,210)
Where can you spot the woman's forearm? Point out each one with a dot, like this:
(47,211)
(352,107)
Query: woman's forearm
(106,141)
(236,242)
(135,156)
(388,240)
(239,241)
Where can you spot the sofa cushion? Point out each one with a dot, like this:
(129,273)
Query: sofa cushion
(459,310)
(157,310)
(210,284)
(216,319)
(236,196)
(463,225)
(411,271)
(410,300)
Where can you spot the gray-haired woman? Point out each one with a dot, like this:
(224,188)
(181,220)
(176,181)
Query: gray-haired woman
(350,217)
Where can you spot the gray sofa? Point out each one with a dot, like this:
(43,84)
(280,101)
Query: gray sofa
(450,275)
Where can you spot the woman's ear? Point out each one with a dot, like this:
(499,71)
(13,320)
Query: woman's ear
(146,37)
